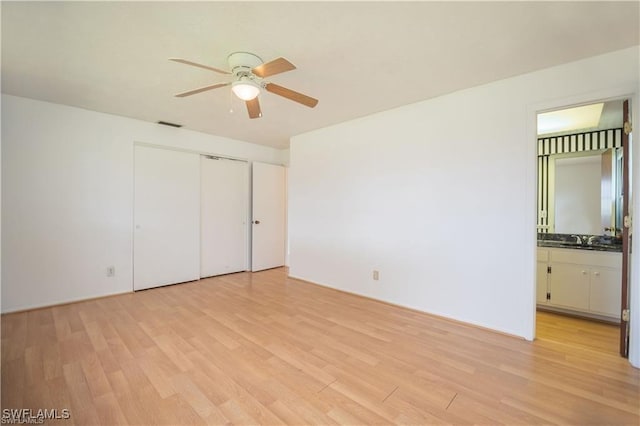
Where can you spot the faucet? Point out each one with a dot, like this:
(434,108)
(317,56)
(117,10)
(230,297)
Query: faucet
(578,238)
(614,231)
(590,239)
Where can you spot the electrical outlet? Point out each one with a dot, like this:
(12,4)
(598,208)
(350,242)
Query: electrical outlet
(376,275)
(111,271)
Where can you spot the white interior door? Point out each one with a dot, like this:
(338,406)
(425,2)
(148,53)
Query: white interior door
(224,195)
(166,247)
(269,210)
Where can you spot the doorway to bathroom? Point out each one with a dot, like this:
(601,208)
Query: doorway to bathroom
(583,220)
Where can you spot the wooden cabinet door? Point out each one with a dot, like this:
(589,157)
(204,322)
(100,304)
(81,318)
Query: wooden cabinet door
(605,291)
(569,286)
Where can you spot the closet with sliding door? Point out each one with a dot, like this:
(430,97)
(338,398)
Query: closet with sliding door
(190,216)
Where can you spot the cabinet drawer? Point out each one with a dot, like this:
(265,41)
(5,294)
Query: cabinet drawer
(543,255)
(583,257)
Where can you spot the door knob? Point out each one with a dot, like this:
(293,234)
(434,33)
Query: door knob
(257,222)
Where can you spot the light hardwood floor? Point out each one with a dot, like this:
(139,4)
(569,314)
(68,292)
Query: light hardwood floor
(581,334)
(264,349)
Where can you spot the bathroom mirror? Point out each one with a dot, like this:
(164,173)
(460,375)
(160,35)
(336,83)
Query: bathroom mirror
(583,192)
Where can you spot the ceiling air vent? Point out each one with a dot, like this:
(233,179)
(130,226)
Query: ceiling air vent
(166,123)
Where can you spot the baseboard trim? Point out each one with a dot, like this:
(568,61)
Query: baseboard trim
(418,311)
(70,302)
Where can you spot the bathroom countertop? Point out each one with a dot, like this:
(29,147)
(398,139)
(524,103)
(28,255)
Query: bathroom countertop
(580,242)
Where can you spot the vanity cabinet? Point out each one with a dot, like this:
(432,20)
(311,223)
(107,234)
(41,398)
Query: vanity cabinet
(580,281)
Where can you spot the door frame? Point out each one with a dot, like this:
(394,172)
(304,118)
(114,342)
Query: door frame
(615,92)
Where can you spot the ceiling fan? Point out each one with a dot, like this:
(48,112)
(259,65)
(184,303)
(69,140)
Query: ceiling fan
(248,72)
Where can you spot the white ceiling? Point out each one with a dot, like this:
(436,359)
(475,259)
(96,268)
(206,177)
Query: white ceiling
(357,58)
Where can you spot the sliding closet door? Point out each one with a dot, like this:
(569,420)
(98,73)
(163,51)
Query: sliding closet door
(166,247)
(269,216)
(224,193)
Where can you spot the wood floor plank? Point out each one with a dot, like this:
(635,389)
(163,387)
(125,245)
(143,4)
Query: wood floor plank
(342,408)
(119,384)
(192,394)
(13,387)
(142,405)
(78,389)
(108,410)
(261,348)
(237,415)
(284,412)
(95,376)
(298,393)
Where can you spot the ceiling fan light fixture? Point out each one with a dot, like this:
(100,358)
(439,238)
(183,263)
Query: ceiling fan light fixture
(249,71)
(245,89)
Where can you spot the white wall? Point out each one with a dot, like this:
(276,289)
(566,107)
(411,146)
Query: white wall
(67,197)
(439,196)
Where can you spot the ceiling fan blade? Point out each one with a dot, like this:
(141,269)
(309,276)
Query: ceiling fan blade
(291,94)
(201,89)
(276,66)
(253,107)
(206,67)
